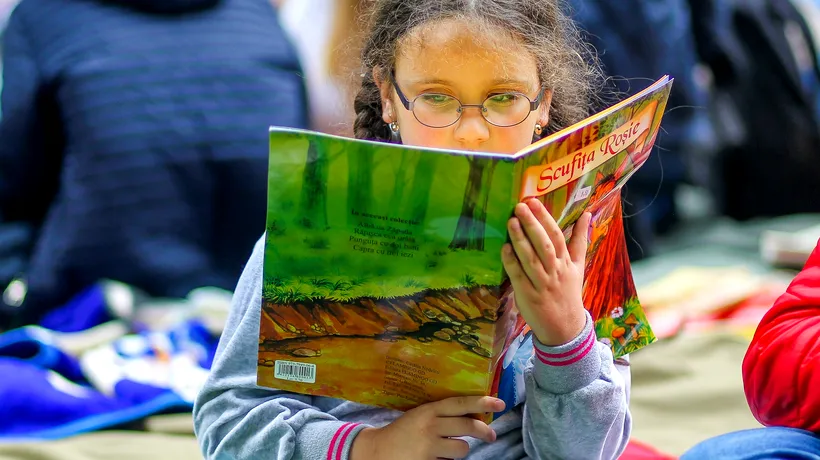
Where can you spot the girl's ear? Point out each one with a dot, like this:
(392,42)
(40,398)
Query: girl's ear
(546,103)
(385,88)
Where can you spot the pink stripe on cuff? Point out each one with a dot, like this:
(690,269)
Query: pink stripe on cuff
(582,349)
(567,353)
(341,446)
(335,438)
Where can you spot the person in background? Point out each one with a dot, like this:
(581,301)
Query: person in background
(637,42)
(133,142)
(328,50)
(781,377)
(5,10)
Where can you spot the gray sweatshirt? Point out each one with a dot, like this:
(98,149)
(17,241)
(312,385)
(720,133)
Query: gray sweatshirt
(576,403)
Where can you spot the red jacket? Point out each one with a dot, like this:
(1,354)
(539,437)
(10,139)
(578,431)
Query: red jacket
(781,370)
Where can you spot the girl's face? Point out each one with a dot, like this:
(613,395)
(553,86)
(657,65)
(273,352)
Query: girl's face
(449,58)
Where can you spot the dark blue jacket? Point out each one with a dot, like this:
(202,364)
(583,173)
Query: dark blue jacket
(133,139)
(638,41)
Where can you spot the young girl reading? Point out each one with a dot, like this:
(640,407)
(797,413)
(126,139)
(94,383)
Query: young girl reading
(483,75)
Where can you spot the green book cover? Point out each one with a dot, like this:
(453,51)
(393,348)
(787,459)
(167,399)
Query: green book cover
(383,280)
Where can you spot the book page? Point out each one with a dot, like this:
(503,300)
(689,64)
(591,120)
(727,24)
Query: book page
(382,277)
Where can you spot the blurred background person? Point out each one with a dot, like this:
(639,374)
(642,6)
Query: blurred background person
(5,11)
(133,143)
(326,34)
(762,58)
(637,41)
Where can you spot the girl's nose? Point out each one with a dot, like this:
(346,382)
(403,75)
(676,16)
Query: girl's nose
(472,129)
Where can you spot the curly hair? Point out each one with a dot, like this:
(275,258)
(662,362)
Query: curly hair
(565,64)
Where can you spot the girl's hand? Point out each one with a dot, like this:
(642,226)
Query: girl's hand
(547,275)
(426,432)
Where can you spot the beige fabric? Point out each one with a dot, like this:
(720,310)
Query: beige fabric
(171,424)
(688,389)
(108,446)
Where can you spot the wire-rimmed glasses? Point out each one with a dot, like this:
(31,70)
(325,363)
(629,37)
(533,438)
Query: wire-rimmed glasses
(437,110)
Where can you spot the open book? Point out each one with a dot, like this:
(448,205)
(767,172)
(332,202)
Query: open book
(383,280)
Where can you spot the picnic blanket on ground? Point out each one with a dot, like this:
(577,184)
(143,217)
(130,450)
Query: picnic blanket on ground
(86,369)
(684,390)
(688,389)
(96,365)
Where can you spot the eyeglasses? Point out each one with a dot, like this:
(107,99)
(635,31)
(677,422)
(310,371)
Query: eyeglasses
(440,110)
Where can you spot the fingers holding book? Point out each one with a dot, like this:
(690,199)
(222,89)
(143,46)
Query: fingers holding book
(436,424)
(546,273)
(465,405)
(579,242)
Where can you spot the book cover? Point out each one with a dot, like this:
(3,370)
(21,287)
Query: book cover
(383,280)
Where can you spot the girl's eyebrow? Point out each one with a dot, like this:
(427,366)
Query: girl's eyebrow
(511,81)
(496,82)
(431,81)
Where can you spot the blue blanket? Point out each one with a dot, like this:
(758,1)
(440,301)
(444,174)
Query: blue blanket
(50,393)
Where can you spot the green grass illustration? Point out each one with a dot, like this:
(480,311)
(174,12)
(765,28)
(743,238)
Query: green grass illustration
(349,220)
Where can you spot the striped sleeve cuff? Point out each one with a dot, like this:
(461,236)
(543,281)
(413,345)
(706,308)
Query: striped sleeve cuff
(342,440)
(326,440)
(569,367)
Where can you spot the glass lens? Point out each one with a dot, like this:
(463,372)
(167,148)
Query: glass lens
(436,110)
(506,109)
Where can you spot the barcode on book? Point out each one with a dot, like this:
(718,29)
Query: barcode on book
(295,372)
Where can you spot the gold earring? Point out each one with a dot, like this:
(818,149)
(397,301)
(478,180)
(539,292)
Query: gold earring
(394,132)
(538,129)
